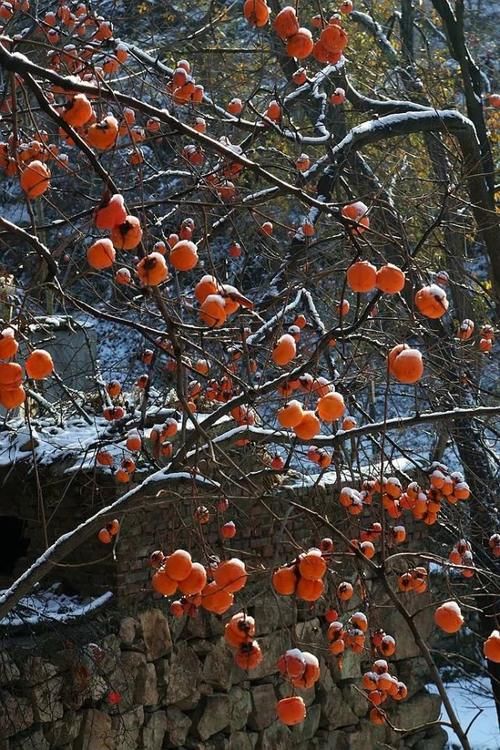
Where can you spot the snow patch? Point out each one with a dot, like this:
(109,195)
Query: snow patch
(51,606)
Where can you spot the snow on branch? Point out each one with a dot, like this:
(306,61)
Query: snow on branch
(284,437)
(20,64)
(401,124)
(42,250)
(52,607)
(73,539)
(269,324)
(364,103)
(377,32)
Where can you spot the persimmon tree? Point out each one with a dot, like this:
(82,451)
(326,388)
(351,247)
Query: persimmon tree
(290,237)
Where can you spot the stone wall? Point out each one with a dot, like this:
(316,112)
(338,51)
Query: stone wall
(179,688)
(176,681)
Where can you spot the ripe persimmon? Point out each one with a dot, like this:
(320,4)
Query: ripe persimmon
(308,427)
(309,590)
(300,45)
(286,23)
(330,407)
(101,254)
(104,536)
(284,350)
(291,414)
(11,398)
(102,135)
(216,599)
(133,442)
(110,212)
(78,111)
(302,163)
(338,96)
(162,583)
(312,565)
(361,276)
(299,77)
(39,364)
(291,711)
(113,527)
(256,12)
(177,608)
(231,575)
(357,211)
(235,106)
(104,458)
(248,655)
(387,645)
(491,646)
(431,301)
(184,255)
(35,179)
(376,716)
(273,112)
(292,664)
(311,673)
(8,344)
(277,463)
(333,38)
(234,250)
(114,388)
(369,681)
(123,276)
(405,364)
(228,530)
(128,234)
(240,629)
(285,581)
(213,311)
(465,329)
(390,279)
(195,582)
(152,269)
(122,476)
(448,617)
(113,413)
(178,565)
(345,591)
(205,286)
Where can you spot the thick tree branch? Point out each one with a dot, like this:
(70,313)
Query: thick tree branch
(42,250)
(70,541)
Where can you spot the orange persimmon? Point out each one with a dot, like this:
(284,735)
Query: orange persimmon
(35,179)
(39,364)
(152,269)
(101,254)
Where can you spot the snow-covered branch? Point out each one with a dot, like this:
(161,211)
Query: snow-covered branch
(73,539)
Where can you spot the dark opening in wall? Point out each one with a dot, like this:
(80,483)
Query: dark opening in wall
(13,543)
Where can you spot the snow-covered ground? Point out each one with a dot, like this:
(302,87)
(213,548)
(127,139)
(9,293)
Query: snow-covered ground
(475,707)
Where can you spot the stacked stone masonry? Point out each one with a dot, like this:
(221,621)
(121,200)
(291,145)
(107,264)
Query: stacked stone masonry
(179,688)
(176,681)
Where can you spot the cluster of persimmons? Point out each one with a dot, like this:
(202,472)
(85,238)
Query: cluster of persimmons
(38,365)
(332,39)
(213,587)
